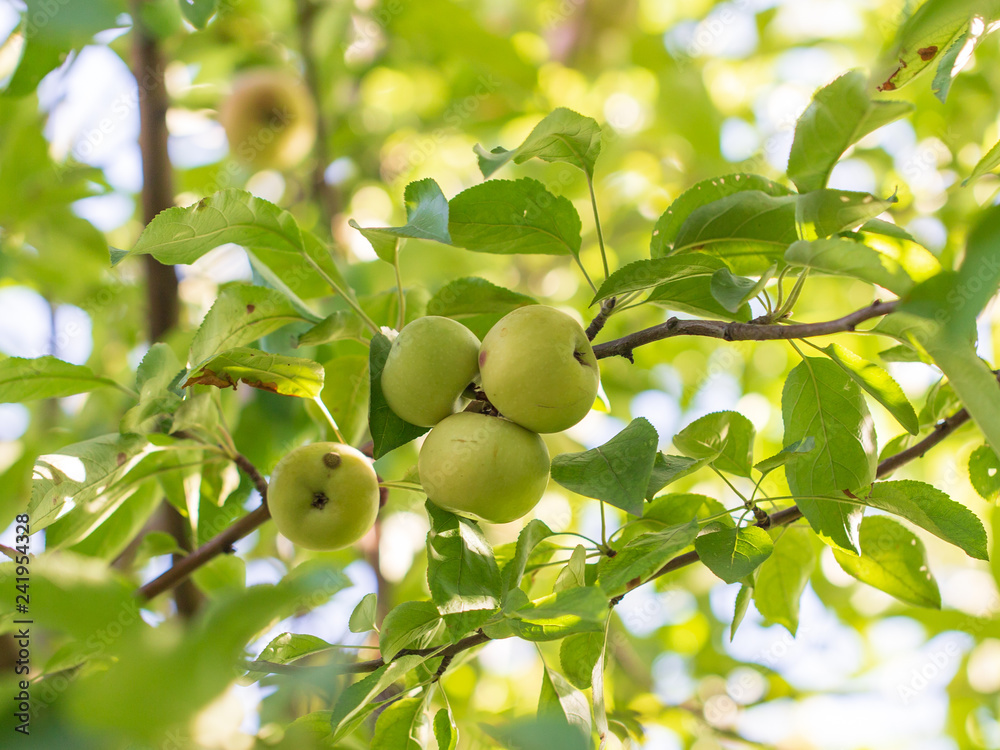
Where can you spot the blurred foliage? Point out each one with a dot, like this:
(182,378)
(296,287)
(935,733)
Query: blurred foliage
(685,91)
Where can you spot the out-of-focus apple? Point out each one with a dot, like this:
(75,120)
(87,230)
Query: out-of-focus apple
(269,118)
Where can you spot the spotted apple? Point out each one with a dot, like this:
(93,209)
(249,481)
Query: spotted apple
(323,496)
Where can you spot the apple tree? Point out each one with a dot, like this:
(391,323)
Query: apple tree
(497,443)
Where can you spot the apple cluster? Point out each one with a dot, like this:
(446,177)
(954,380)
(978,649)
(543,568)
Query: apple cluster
(534,372)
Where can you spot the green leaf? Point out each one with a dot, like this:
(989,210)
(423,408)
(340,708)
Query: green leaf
(820,400)
(725,438)
(399,726)
(669,224)
(198,12)
(359,700)
(954,299)
(445,730)
(840,115)
(196,412)
(749,230)
(346,394)
(538,734)
(152,663)
(953,351)
(733,292)
(426,219)
(667,469)
(984,472)
(783,576)
(45,377)
(822,213)
(561,701)
(552,617)
(562,136)
(408,625)
(646,274)
(682,282)
(617,472)
(733,554)
(987,164)
(680,508)
(158,382)
(843,257)
(287,376)
(503,216)
(363,617)
(116,532)
(334,327)
(477,303)
(892,560)
(642,557)
(578,653)
(462,574)
(240,315)
(530,537)
(928,33)
(220,575)
(877,383)
(286,649)
(76,595)
(740,608)
(574,574)
(184,234)
(80,474)
(784,455)
(931,509)
(388,431)
(475,296)
(946,69)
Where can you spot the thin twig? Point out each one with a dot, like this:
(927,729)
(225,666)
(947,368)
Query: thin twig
(602,317)
(941,430)
(447,654)
(718,329)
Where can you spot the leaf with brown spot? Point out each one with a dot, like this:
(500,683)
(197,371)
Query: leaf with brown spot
(287,376)
(927,53)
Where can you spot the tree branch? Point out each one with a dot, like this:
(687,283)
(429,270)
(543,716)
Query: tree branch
(718,329)
(941,430)
(447,654)
(326,195)
(211,549)
(218,545)
(789,515)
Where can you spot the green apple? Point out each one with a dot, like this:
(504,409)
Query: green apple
(269,119)
(538,369)
(432,360)
(483,466)
(323,496)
